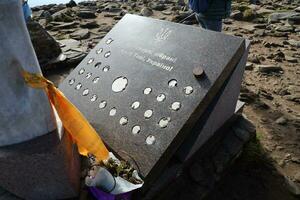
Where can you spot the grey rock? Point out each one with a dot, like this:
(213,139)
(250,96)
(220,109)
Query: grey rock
(61,25)
(86,14)
(254,59)
(227,21)
(64,15)
(269,68)
(56,8)
(281,121)
(277,34)
(73,52)
(285,28)
(43,7)
(293,97)
(293,187)
(80,34)
(272,44)
(296,159)
(260,26)
(112,7)
(276,17)
(265,94)
(111,15)
(71,4)
(294,43)
(297,177)
(166,12)
(146,12)
(44,44)
(294,20)
(87,3)
(249,28)
(237,15)
(260,32)
(42,14)
(249,66)
(291,59)
(249,14)
(89,24)
(68,44)
(158,6)
(47,15)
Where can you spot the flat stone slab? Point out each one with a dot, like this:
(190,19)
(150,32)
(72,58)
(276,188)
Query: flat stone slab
(138,90)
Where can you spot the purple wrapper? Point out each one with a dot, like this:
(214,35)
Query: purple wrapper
(100,195)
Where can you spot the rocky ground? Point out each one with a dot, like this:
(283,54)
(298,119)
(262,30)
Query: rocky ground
(271,86)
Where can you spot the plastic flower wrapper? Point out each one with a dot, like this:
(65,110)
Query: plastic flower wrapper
(112,178)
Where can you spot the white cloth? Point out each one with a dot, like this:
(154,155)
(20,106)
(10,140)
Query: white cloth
(25,113)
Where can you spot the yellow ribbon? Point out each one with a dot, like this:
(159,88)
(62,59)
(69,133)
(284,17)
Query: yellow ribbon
(85,136)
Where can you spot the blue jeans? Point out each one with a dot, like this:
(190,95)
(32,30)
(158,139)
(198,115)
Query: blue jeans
(210,24)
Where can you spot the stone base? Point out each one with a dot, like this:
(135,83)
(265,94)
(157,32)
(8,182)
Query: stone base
(195,179)
(47,167)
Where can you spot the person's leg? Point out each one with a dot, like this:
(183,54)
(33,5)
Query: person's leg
(214,25)
(201,21)
(210,24)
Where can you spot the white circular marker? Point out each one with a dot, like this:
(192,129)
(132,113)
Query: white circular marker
(106,68)
(188,90)
(88,75)
(161,97)
(176,106)
(102,104)
(71,81)
(91,60)
(113,112)
(99,51)
(148,114)
(123,121)
(150,140)
(172,83)
(136,130)
(109,41)
(78,86)
(147,91)
(163,122)
(85,92)
(107,54)
(96,79)
(135,105)
(81,71)
(119,84)
(94,98)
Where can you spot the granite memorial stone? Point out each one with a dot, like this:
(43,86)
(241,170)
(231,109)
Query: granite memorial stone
(148,82)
